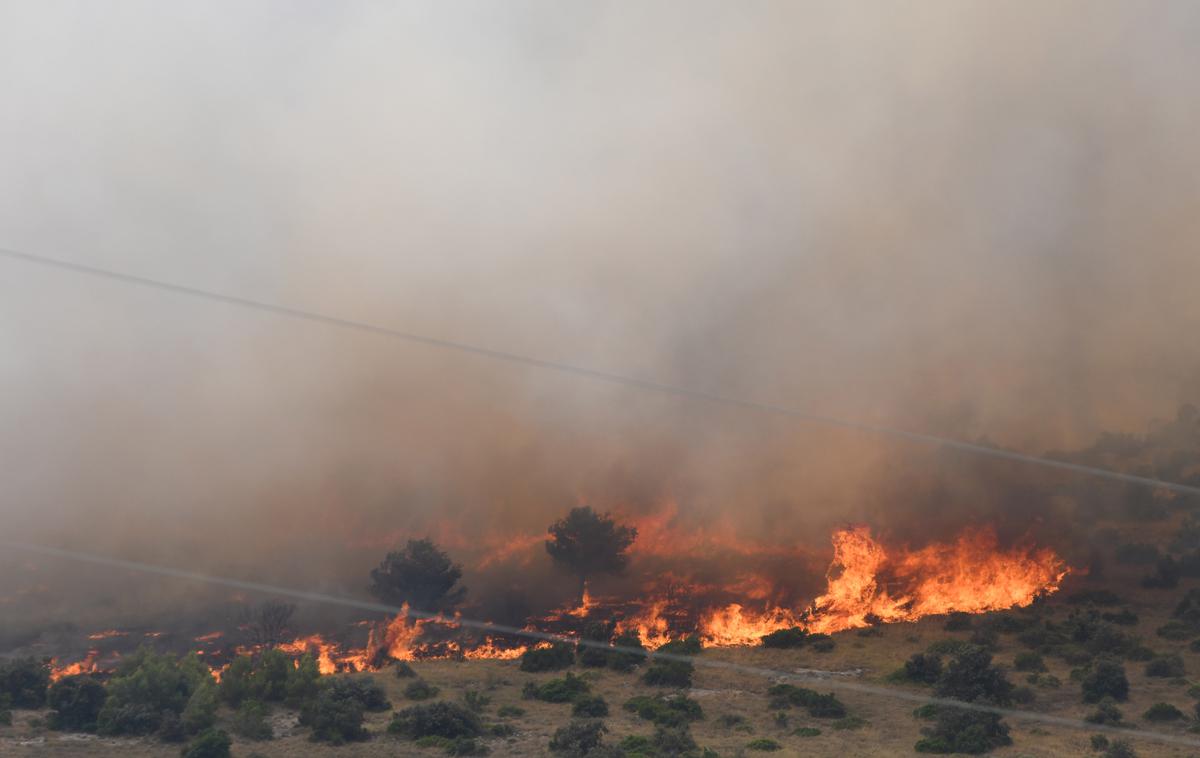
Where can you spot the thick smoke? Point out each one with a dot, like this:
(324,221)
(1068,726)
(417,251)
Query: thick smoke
(975,220)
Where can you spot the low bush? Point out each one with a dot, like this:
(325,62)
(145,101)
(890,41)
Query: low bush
(76,701)
(510,711)
(686,646)
(673,711)
(1106,678)
(562,690)
(24,681)
(663,673)
(211,743)
(334,719)
(1166,666)
(792,637)
(404,670)
(1120,749)
(1162,712)
(578,738)
(1106,713)
(1123,617)
(764,744)
(673,741)
(475,701)
(629,658)
(419,689)
(958,730)
(970,676)
(443,719)
(817,704)
(148,685)
(807,731)
(590,706)
(1029,661)
(922,667)
(369,694)
(554,658)
(821,643)
(250,721)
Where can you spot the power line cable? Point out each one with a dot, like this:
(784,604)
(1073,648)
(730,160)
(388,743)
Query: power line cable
(603,376)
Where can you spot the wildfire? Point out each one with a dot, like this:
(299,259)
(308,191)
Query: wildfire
(89,665)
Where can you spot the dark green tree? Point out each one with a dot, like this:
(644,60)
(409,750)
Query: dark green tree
(587,543)
(420,575)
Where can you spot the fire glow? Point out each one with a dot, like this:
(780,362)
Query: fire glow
(866,584)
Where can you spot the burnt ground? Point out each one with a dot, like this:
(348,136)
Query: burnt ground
(889,728)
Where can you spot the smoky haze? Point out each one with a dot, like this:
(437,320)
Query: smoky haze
(974,220)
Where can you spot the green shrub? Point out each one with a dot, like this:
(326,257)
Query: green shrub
(510,711)
(959,730)
(211,743)
(250,721)
(146,686)
(1029,661)
(923,667)
(673,711)
(562,690)
(807,731)
(334,719)
(590,706)
(554,658)
(636,744)
(419,689)
(578,738)
(475,701)
(442,719)
(686,646)
(818,705)
(764,744)
(200,712)
(669,674)
(1106,713)
(1167,666)
(304,682)
(673,741)
(1120,749)
(792,637)
(24,681)
(947,647)
(628,659)
(970,676)
(1162,712)
(1106,678)
(76,701)
(466,746)
(404,670)
(364,689)
(850,723)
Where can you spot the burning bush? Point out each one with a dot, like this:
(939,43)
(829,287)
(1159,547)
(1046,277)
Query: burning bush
(24,681)
(554,658)
(970,676)
(959,730)
(447,720)
(145,687)
(76,701)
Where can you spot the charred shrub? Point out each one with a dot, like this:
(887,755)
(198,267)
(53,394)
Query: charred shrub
(1104,679)
(333,719)
(958,730)
(76,701)
(970,676)
(144,687)
(24,681)
(443,719)
(669,673)
(557,690)
(590,706)
(554,658)
(673,711)
(211,743)
(792,637)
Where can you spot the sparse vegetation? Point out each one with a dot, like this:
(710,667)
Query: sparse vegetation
(764,744)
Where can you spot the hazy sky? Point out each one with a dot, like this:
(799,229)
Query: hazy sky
(962,218)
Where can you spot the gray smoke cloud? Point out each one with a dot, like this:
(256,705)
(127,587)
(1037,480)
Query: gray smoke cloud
(965,219)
